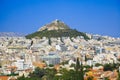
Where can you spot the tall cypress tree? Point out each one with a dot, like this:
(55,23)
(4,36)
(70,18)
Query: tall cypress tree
(49,41)
(77,67)
(86,58)
(79,70)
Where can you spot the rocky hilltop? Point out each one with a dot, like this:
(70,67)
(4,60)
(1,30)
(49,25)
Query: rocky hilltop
(54,25)
(56,29)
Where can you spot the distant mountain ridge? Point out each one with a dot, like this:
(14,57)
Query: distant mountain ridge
(11,34)
(56,29)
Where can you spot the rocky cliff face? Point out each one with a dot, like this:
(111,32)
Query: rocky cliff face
(55,25)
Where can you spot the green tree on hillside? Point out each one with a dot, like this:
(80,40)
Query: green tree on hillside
(49,41)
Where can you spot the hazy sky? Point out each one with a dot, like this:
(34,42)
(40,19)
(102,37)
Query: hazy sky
(91,16)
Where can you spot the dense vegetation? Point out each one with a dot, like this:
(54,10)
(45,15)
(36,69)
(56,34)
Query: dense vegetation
(57,33)
(76,74)
(51,74)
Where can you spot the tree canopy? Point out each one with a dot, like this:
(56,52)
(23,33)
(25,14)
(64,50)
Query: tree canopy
(57,33)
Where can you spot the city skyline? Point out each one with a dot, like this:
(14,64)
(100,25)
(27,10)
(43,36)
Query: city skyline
(27,16)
